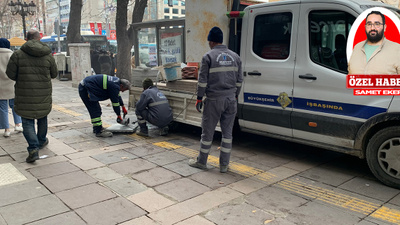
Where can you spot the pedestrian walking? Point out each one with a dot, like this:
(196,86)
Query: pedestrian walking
(220,79)
(32,67)
(105,62)
(153,107)
(7,91)
(101,87)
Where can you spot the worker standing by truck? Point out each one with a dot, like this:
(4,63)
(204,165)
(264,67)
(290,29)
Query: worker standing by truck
(220,79)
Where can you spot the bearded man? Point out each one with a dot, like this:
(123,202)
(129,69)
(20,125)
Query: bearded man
(376,55)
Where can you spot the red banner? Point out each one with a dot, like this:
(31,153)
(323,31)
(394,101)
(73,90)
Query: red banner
(100,28)
(113,35)
(92,27)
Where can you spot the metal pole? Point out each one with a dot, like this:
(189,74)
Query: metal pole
(58,30)
(23,23)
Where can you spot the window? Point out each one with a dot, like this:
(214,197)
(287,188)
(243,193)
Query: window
(166,10)
(271,38)
(182,3)
(166,17)
(174,11)
(328,32)
(183,11)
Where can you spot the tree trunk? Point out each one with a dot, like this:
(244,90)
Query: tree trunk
(74,25)
(125,34)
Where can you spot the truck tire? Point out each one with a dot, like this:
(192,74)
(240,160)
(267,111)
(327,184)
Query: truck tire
(383,156)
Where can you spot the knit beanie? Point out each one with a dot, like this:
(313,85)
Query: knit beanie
(215,35)
(147,83)
(4,43)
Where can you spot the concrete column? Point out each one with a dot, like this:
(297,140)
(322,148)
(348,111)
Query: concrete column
(80,62)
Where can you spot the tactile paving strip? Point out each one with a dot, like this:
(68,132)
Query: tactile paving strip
(9,174)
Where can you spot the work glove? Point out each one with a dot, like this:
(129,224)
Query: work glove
(119,119)
(124,110)
(199,105)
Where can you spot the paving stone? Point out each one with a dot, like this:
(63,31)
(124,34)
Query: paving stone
(313,211)
(6,159)
(12,149)
(2,221)
(150,200)
(38,208)
(85,195)
(89,144)
(104,174)
(2,152)
(196,220)
(395,200)
(165,158)
(247,186)
(118,138)
(181,142)
(194,206)
(182,168)
(19,192)
(214,179)
(87,163)
(45,161)
(66,133)
(125,186)
(54,169)
(112,211)
(98,150)
(303,164)
(59,147)
(132,166)
(114,157)
(276,201)
(9,174)
(67,181)
(62,219)
(155,176)
(238,215)
(370,188)
(143,220)
(327,176)
(264,161)
(182,189)
(365,222)
(144,150)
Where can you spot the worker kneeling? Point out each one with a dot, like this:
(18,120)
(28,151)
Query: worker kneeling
(153,107)
(101,87)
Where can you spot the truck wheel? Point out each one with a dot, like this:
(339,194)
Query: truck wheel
(383,156)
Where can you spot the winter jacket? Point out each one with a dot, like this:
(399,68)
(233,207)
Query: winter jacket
(220,74)
(7,85)
(384,60)
(102,87)
(32,67)
(155,102)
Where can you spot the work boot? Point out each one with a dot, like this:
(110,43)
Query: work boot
(33,156)
(142,133)
(164,131)
(44,144)
(194,163)
(104,133)
(223,169)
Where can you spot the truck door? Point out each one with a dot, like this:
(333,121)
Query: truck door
(268,52)
(324,110)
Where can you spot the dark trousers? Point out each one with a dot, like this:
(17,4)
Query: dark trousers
(94,109)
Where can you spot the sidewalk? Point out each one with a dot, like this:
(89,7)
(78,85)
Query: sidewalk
(131,180)
(82,179)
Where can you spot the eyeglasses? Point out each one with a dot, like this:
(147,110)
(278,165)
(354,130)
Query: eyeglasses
(376,24)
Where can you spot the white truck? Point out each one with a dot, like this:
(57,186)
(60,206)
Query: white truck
(295,83)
